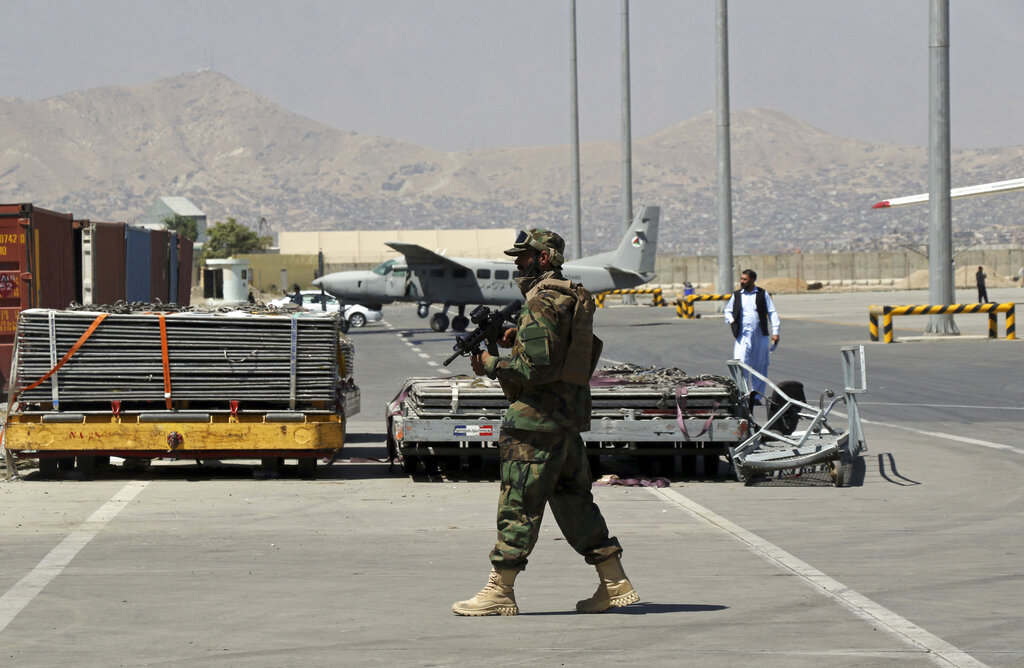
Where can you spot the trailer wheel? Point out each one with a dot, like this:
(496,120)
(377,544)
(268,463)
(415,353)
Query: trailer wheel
(840,470)
(710,465)
(410,463)
(47,468)
(307,468)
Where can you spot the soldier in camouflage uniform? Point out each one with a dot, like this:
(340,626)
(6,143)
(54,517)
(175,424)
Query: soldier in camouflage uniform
(547,378)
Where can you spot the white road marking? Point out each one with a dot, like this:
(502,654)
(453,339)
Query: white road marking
(983,408)
(950,437)
(432,363)
(22,593)
(940,651)
(424,355)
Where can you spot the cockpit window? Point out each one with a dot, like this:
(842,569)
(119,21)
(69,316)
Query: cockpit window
(384,268)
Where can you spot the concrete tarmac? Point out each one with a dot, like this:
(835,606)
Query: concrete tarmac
(916,563)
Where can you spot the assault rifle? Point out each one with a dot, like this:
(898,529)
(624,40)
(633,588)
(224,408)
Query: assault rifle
(490,326)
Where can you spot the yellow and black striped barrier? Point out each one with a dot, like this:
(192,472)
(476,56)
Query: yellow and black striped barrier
(887,312)
(684,306)
(657,301)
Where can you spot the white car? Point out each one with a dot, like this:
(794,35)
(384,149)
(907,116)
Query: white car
(356,315)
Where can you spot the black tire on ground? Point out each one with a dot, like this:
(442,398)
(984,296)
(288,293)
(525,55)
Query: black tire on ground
(47,468)
(357,320)
(410,464)
(460,323)
(307,468)
(710,465)
(423,310)
(788,423)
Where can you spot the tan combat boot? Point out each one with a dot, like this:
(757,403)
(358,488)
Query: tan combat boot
(615,590)
(496,598)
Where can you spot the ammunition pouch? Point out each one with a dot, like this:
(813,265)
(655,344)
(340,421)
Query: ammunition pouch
(584,350)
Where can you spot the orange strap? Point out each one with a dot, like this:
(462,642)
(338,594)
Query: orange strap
(167,361)
(78,344)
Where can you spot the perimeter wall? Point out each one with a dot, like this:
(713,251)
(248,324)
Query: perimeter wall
(869,268)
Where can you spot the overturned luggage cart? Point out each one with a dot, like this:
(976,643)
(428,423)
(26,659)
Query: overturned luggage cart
(778,450)
(656,415)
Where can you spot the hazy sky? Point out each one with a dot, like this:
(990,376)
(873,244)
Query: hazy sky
(459,74)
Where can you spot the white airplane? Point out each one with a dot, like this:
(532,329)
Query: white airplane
(983,189)
(427,277)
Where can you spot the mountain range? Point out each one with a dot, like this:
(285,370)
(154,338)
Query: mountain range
(107,153)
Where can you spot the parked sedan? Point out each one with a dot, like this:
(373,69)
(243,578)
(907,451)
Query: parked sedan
(356,315)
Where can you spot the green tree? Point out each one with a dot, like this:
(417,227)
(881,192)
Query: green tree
(183,225)
(231,238)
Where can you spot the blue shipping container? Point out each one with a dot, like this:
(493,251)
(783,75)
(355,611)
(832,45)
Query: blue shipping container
(137,264)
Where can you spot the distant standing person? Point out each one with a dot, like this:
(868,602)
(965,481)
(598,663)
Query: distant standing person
(982,292)
(755,326)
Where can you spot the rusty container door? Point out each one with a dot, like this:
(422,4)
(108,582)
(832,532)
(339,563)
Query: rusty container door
(159,259)
(52,259)
(108,263)
(172,266)
(184,271)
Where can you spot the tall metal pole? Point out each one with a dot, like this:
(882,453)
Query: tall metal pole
(725,260)
(574,112)
(627,168)
(627,142)
(940,227)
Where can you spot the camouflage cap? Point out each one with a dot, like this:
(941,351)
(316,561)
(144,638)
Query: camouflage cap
(541,240)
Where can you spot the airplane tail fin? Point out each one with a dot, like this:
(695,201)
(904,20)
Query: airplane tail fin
(638,247)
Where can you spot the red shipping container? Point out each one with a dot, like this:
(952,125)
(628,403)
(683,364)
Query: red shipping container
(37,268)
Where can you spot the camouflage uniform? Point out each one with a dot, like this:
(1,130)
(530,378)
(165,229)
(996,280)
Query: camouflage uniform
(542,454)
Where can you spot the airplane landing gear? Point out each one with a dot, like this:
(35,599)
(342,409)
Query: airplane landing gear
(439,322)
(460,322)
(423,310)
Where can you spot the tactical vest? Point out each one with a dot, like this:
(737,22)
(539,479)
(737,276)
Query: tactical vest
(584,348)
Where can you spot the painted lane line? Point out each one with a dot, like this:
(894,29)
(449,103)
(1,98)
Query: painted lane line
(965,406)
(949,437)
(22,593)
(424,355)
(940,651)
(433,363)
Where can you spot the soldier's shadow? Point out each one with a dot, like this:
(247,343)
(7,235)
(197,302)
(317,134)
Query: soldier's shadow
(643,608)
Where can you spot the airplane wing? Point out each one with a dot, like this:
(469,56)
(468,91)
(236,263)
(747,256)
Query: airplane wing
(416,254)
(983,189)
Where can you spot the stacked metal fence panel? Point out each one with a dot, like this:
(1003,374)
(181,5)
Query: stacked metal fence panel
(264,362)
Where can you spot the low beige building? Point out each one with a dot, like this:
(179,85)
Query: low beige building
(368,246)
